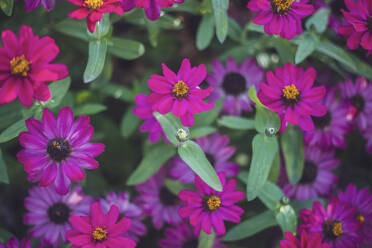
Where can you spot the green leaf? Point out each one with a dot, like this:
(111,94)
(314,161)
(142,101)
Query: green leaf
(102,28)
(197,132)
(287,219)
(284,49)
(238,123)
(125,49)
(293,151)
(205,32)
(58,90)
(129,123)
(251,226)
(308,43)
(151,163)
(10,113)
(13,131)
(266,119)
(263,152)
(73,28)
(3,171)
(115,91)
(275,169)
(319,20)
(7,6)
(5,235)
(252,94)
(154,31)
(270,195)
(255,27)
(220,18)
(235,31)
(170,124)
(194,157)
(89,109)
(206,240)
(96,59)
(206,118)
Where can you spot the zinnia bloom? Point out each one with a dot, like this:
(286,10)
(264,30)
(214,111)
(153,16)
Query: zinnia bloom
(49,212)
(317,179)
(359,98)
(337,223)
(208,208)
(14,243)
(93,10)
(25,66)
(56,150)
(182,236)
(144,111)
(217,151)
(281,16)
(33,4)
(233,82)
(99,230)
(362,200)
(179,92)
(331,128)
(158,202)
(306,241)
(289,92)
(127,209)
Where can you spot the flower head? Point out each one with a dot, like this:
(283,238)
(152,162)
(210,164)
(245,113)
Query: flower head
(25,66)
(99,229)
(49,212)
(14,243)
(208,208)
(179,93)
(31,5)
(57,150)
(232,84)
(291,94)
(306,241)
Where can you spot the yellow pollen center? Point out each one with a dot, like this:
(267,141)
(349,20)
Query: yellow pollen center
(180,90)
(213,202)
(281,6)
(337,229)
(19,66)
(290,92)
(360,218)
(93,4)
(99,234)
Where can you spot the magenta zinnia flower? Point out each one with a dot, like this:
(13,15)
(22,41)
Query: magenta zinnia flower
(179,93)
(127,209)
(93,10)
(289,92)
(25,66)
(337,223)
(208,208)
(99,230)
(281,16)
(217,151)
(49,212)
(233,82)
(56,150)
(14,243)
(306,241)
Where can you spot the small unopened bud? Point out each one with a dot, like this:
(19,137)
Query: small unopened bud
(182,135)
(270,131)
(284,201)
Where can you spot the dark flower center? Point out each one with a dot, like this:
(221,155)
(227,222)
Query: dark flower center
(309,174)
(180,90)
(167,198)
(234,84)
(58,149)
(369,23)
(322,122)
(358,102)
(191,244)
(59,213)
(332,229)
(212,203)
(290,95)
(210,158)
(19,66)
(281,7)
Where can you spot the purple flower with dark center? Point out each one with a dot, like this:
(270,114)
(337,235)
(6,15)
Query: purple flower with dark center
(14,243)
(57,150)
(49,212)
(182,236)
(336,223)
(362,200)
(317,179)
(233,82)
(158,202)
(126,209)
(330,128)
(217,152)
(33,4)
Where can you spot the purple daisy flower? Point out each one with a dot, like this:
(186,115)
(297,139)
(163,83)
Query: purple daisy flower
(126,209)
(317,178)
(233,82)
(362,200)
(208,208)
(33,4)
(56,150)
(359,98)
(337,223)
(182,236)
(331,128)
(49,212)
(217,152)
(14,243)
(158,202)
(367,134)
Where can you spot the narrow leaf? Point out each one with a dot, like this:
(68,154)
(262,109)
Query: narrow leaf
(265,119)
(308,43)
(206,118)
(96,59)
(58,90)
(125,49)
(129,123)
(287,219)
(270,195)
(238,123)
(3,170)
(206,240)
(13,131)
(252,94)
(170,124)
(7,6)
(319,20)
(197,132)
(205,32)
(90,109)
(220,18)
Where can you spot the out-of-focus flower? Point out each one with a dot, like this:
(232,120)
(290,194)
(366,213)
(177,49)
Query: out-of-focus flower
(14,243)
(31,5)
(306,241)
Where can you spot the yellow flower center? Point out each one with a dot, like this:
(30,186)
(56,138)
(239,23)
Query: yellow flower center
(19,66)
(99,234)
(281,6)
(360,218)
(180,90)
(213,202)
(93,4)
(290,92)
(337,229)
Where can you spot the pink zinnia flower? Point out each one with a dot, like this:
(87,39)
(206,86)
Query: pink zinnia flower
(179,92)
(57,150)
(93,10)
(14,243)
(25,66)
(99,230)
(306,241)
(291,94)
(208,208)
(281,16)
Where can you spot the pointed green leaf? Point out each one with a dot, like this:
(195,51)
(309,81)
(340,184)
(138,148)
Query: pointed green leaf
(308,43)
(319,20)
(238,123)
(220,18)
(206,118)
(206,240)
(197,132)
(7,6)
(252,94)
(270,195)
(287,219)
(170,124)
(89,109)
(96,59)
(125,49)
(129,123)
(205,32)
(58,90)
(265,118)
(13,131)
(3,170)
